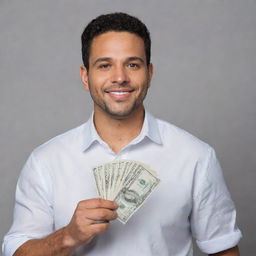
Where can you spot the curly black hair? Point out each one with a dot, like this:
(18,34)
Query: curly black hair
(114,22)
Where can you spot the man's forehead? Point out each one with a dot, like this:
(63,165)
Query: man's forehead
(113,44)
(112,33)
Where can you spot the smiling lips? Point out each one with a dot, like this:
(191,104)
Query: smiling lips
(120,94)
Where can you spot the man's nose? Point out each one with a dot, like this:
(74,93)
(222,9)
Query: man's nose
(119,75)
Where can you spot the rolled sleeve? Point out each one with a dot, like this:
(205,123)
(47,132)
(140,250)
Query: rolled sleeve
(213,219)
(221,243)
(33,215)
(12,243)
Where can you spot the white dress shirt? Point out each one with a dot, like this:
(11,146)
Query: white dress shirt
(191,199)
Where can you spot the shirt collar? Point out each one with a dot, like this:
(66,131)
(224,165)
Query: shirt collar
(90,134)
(149,129)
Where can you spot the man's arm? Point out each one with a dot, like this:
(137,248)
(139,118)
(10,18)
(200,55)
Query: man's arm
(230,252)
(90,218)
(51,245)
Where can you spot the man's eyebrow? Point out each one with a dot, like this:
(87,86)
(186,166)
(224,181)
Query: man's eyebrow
(108,59)
(135,58)
(101,60)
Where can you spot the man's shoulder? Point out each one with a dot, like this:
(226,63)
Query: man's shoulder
(178,137)
(69,140)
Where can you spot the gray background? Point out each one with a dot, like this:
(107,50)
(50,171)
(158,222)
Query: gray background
(204,55)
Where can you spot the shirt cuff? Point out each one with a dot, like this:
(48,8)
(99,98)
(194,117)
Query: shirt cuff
(12,244)
(220,244)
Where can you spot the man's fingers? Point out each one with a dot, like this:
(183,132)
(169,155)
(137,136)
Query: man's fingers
(97,203)
(100,214)
(90,218)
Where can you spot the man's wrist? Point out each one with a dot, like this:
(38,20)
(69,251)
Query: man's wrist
(67,241)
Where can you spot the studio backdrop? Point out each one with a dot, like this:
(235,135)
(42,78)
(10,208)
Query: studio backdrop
(204,81)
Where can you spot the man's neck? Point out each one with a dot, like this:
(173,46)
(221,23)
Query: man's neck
(117,133)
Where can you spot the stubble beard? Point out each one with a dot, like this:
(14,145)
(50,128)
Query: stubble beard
(123,113)
(120,114)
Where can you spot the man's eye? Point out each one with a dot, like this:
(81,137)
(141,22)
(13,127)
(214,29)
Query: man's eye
(104,66)
(133,65)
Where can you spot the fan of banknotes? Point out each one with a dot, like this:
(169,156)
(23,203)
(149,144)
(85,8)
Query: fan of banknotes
(128,183)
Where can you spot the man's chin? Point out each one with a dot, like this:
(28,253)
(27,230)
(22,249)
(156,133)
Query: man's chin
(121,114)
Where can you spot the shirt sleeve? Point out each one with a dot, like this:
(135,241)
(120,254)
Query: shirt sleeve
(33,215)
(213,218)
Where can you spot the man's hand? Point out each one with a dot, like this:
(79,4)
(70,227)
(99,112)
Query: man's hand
(90,218)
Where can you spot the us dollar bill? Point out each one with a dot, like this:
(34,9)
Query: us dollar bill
(136,190)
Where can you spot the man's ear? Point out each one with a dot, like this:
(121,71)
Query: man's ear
(150,72)
(84,77)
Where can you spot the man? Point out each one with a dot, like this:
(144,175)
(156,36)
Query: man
(56,210)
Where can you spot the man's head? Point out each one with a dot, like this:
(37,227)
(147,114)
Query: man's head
(117,69)
(119,22)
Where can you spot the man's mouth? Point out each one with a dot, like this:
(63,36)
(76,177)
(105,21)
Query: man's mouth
(120,94)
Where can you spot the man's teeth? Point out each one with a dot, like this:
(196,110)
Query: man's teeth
(119,93)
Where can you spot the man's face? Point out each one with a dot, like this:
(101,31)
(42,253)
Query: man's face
(118,76)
